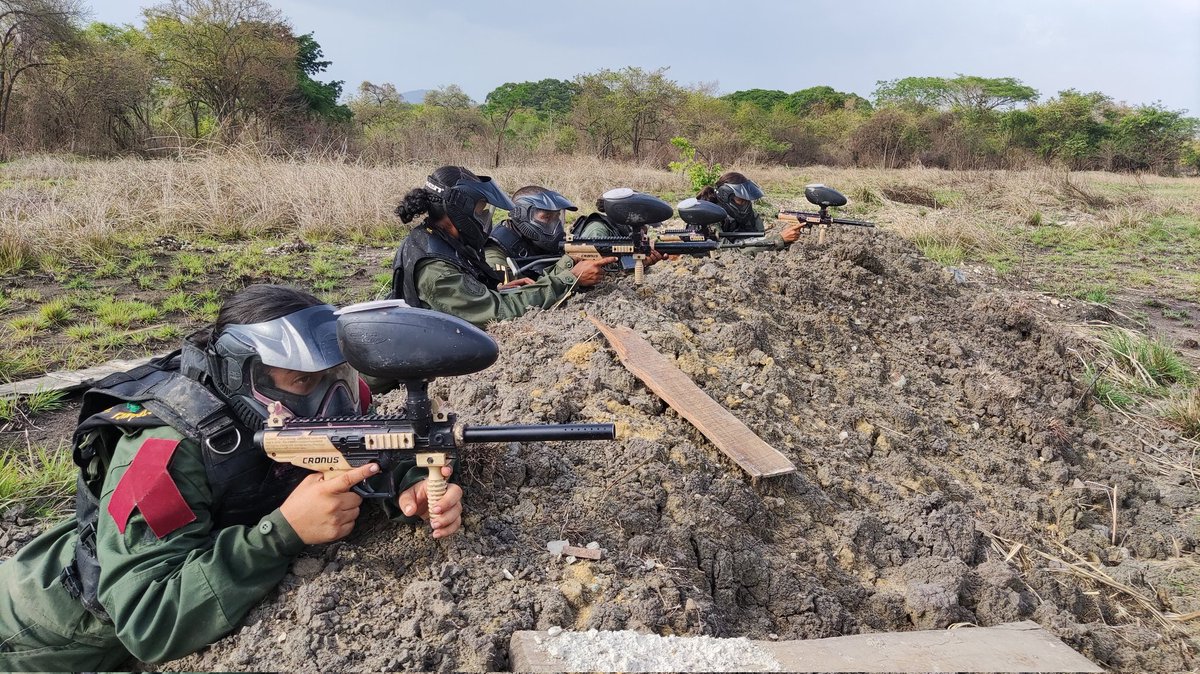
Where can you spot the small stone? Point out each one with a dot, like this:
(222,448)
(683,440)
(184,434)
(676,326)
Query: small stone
(593,546)
(556,547)
(508,574)
(843,435)
(690,605)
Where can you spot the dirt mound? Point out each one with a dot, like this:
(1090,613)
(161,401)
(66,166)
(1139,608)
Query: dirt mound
(926,416)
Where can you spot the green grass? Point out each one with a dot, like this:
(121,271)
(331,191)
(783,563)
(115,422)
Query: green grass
(84,332)
(42,479)
(56,311)
(78,283)
(1152,363)
(123,313)
(179,302)
(191,264)
(326,269)
(1175,314)
(42,401)
(5,304)
(108,269)
(1109,392)
(948,254)
(17,364)
(26,295)
(1184,413)
(141,261)
(178,281)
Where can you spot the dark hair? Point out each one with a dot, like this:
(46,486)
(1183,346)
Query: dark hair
(709,193)
(528,190)
(421,200)
(600,205)
(255,304)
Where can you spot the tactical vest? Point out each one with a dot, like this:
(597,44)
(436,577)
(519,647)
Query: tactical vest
(246,485)
(510,240)
(423,243)
(582,222)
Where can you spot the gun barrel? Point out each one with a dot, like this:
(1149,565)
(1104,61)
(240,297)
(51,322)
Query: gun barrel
(535,432)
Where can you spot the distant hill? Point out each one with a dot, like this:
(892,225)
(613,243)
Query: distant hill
(414,96)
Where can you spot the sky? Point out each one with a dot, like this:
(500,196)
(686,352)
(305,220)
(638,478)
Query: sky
(1137,52)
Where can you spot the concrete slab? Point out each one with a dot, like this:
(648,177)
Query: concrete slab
(1013,647)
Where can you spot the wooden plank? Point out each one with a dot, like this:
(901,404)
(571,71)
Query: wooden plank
(69,380)
(723,429)
(1014,647)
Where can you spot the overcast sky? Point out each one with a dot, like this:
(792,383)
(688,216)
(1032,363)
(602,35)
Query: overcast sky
(1138,52)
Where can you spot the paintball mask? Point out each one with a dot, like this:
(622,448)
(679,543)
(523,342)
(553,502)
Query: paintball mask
(539,218)
(747,192)
(293,360)
(470,204)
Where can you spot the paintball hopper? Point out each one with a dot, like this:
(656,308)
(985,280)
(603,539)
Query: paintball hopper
(697,213)
(823,196)
(390,340)
(635,209)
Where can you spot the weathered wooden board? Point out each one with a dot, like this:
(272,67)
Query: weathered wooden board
(69,380)
(1014,647)
(723,429)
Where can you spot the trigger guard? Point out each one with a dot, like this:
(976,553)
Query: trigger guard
(364,490)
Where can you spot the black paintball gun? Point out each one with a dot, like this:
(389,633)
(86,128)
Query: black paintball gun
(390,340)
(642,213)
(825,197)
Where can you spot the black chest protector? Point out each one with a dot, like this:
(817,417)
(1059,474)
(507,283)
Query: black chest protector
(423,243)
(245,484)
(581,224)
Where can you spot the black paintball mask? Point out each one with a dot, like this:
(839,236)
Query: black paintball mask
(747,192)
(291,366)
(469,205)
(539,219)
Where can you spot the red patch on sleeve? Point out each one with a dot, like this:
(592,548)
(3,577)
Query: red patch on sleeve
(364,396)
(147,486)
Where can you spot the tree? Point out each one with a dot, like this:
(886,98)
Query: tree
(319,99)
(630,104)
(235,59)
(451,96)
(101,93)
(966,92)
(762,98)
(32,33)
(821,99)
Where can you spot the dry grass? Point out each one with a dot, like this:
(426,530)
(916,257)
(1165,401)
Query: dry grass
(54,207)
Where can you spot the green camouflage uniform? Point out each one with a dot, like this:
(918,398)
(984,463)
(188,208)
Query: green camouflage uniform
(167,597)
(495,256)
(447,289)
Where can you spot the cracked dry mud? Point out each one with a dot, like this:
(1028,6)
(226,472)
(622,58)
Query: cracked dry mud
(920,412)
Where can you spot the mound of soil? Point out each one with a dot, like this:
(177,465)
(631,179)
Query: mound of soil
(925,415)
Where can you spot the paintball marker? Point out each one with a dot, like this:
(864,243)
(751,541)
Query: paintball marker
(641,212)
(390,340)
(822,196)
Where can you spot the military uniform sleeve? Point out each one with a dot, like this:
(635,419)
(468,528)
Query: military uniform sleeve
(171,596)
(596,230)
(448,290)
(494,255)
